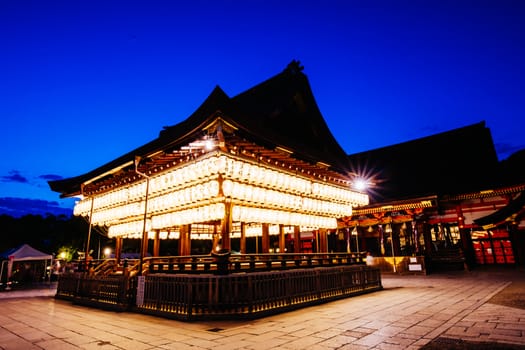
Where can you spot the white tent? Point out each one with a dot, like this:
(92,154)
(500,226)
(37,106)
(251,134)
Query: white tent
(22,253)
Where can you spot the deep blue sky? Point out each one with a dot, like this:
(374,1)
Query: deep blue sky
(83,82)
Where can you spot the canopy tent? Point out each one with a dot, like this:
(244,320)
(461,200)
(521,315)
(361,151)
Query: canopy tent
(22,253)
(25,252)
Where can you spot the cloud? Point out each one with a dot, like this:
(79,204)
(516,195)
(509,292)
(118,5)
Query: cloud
(50,177)
(18,207)
(14,176)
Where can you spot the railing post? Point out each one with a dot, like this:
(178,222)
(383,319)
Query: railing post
(189,299)
(222,259)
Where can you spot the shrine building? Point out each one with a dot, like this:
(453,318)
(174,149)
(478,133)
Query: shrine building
(261,167)
(262,206)
(442,202)
(259,178)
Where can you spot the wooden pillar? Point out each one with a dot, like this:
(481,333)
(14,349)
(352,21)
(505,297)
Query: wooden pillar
(282,241)
(427,235)
(360,241)
(185,240)
(187,249)
(118,249)
(215,240)
(396,240)
(265,241)
(323,240)
(226,226)
(296,239)
(243,238)
(156,244)
(181,240)
(415,235)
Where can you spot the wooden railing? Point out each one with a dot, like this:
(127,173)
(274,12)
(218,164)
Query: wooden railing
(221,286)
(224,264)
(252,294)
(112,292)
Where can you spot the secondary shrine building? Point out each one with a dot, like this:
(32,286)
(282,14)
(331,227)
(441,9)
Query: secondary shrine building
(445,198)
(259,172)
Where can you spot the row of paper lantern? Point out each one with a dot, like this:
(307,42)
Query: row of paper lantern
(266,197)
(260,215)
(216,212)
(261,196)
(200,214)
(231,168)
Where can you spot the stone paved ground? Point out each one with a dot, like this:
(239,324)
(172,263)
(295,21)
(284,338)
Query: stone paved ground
(412,312)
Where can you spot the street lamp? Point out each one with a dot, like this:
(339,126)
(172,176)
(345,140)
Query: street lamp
(361,184)
(144,233)
(388,229)
(355,233)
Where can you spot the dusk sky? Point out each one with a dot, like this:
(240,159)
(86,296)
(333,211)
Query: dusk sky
(83,82)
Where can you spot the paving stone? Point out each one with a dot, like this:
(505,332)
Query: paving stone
(411,312)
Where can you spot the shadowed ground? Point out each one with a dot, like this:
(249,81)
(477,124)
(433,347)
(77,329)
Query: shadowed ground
(512,296)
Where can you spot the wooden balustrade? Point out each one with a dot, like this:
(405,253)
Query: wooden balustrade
(110,292)
(229,286)
(250,262)
(249,295)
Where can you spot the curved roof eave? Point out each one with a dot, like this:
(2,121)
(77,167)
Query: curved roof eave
(279,112)
(169,137)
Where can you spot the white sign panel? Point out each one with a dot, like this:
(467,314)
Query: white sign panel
(415,267)
(140,290)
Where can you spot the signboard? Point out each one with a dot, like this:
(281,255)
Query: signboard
(140,290)
(415,267)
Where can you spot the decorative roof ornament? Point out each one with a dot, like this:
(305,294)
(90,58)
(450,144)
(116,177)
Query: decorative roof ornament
(294,67)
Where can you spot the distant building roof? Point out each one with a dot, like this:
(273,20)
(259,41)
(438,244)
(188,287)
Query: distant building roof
(456,161)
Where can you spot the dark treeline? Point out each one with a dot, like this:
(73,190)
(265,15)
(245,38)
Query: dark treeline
(47,234)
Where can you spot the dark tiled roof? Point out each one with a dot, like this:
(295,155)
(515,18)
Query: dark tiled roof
(457,161)
(283,110)
(169,137)
(512,168)
(280,112)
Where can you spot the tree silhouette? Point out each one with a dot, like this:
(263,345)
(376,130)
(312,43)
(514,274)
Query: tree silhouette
(46,234)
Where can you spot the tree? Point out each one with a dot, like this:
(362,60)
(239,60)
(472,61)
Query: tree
(47,234)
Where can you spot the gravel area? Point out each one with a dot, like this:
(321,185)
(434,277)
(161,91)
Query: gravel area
(458,344)
(512,296)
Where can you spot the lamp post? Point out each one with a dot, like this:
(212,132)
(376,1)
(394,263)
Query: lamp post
(144,233)
(355,233)
(86,256)
(389,229)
